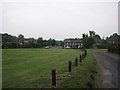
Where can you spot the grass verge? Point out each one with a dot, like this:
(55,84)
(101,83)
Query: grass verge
(83,76)
(101,50)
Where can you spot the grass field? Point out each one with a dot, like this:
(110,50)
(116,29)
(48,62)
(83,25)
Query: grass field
(31,68)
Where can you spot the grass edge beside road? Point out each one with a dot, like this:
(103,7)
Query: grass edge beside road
(82,76)
(101,50)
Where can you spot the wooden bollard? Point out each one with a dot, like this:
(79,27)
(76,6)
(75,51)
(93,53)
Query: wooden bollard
(80,58)
(85,52)
(76,61)
(54,77)
(84,55)
(70,66)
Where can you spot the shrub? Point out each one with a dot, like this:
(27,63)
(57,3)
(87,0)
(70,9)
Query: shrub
(101,46)
(114,48)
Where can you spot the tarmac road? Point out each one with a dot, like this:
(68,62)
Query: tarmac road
(109,63)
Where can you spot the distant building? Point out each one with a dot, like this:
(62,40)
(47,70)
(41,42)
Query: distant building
(73,43)
(30,40)
(20,42)
(98,41)
(27,41)
(113,39)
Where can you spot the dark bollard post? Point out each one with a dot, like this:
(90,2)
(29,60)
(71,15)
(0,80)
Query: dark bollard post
(70,66)
(76,61)
(85,52)
(80,58)
(84,55)
(54,77)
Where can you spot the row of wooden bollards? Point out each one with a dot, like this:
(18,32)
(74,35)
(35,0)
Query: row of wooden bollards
(69,67)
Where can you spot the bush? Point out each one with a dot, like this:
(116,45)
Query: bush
(9,45)
(17,45)
(88,42)
(101,46)
(114,48)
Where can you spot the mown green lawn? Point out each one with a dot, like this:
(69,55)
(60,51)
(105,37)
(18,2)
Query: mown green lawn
(31,68)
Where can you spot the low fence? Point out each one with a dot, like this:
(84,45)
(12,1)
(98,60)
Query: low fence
(81,58)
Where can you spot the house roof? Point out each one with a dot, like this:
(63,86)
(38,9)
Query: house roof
(114,38)
(29,39)
(97,40)
(78,40)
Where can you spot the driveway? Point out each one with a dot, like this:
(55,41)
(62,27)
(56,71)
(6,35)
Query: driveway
(109,63)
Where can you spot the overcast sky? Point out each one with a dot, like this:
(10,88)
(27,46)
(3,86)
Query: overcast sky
(58,19)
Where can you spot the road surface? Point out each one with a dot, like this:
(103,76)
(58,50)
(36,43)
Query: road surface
(109,63)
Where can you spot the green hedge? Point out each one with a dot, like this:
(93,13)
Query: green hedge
(17,45)
(114,48)
(101,46)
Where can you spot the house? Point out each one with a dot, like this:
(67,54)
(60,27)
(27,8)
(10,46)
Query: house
(30,40)
(98,41)
(113,39)
(73,43)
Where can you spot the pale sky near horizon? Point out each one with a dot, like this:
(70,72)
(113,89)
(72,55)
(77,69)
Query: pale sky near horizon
(58,19)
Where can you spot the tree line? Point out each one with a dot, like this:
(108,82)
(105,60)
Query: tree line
(9,41)
(93,40)
(115,46)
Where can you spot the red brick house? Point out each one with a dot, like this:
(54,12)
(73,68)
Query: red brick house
(73,42)
(113,39)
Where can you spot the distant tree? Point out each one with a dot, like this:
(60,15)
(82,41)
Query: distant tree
(92,33)
(8,38)
(45,43)
(40,40)
(20,37)
(13,45)
(9,41)
(97,36)
(115,34)
(88,42)
(84,35)
(106,38)
(60,43)
(52,42)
